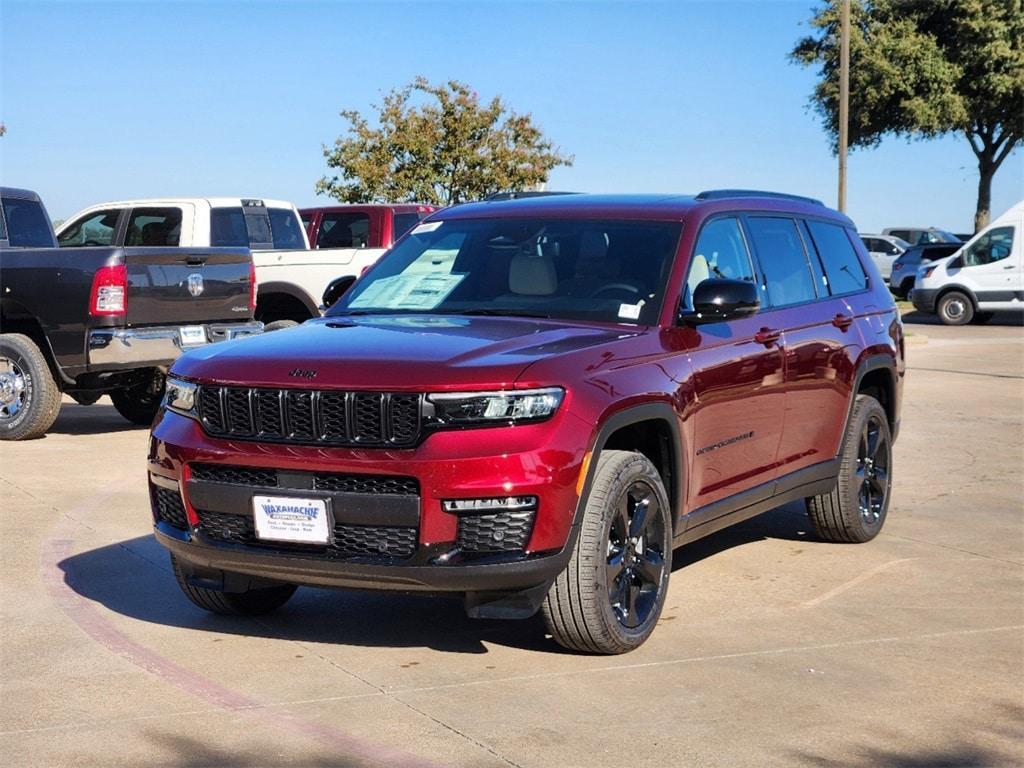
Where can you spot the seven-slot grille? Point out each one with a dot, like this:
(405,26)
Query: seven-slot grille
(310,416)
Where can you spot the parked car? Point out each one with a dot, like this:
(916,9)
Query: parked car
(904,269)
(106,319)
(986,275)
(374,226)
(922,235)
(532,403)
(292,277)
(883,250)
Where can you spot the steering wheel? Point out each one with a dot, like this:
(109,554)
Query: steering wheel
(616,287)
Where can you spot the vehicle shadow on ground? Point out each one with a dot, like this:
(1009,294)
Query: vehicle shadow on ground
(98,419)
(134,578)
(1010,319)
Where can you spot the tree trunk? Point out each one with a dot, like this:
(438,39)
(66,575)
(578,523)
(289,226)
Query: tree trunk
(986,170)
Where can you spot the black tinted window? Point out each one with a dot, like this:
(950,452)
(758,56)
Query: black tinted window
(99,228)
(842,267)
(404,222)
(287,232)
(227,228)
(931,254)
(27,225)
(781,253)
(343,230)
(154,226)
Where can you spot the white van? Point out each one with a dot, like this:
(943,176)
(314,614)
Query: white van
(985,276)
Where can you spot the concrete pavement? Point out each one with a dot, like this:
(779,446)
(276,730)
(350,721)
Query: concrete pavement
(774,649)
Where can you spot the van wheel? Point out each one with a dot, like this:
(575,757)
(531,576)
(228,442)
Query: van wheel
(610,595)
(252,602)
(29,396)
(955,308)
(140,403)
(855,509)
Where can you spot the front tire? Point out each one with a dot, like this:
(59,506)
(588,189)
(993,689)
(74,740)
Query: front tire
(955,308)
(29,396)
(140,403)
(610,595)
(252,602)
(855,509)
(279,325)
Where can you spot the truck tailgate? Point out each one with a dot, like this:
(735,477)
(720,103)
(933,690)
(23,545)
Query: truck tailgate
(174,286)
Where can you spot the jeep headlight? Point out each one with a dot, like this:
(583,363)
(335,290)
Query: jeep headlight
(180,396)
(508,407)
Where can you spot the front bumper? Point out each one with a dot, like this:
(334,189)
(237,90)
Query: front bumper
(923,299)
(145,347)
(470,464)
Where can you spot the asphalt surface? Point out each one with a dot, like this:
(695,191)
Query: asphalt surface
(774,648)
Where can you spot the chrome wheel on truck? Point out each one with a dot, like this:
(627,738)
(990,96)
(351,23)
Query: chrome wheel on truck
(610,595)
(29,397)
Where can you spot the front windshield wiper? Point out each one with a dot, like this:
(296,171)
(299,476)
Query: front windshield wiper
(495,312)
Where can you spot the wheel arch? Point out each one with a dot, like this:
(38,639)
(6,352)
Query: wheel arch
(14,318)
(283,301)
(876,376)
(946,289)
(651,429)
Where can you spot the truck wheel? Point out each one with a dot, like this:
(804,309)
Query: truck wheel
(29,396)
(140,403)
(955,308)
(855,509)
(610,595)
(279,325)
(253,602)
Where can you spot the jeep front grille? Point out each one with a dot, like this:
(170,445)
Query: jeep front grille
(312,417)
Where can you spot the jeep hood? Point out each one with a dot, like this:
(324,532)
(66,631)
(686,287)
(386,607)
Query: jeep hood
(392,352)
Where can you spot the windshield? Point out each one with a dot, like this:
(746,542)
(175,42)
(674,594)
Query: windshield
(601,270)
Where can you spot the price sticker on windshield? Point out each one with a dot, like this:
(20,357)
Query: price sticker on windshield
(430,226)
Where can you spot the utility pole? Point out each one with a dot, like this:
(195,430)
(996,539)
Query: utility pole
(844,97)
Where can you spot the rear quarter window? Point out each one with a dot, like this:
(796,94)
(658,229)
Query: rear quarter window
(843,269)
(227,228)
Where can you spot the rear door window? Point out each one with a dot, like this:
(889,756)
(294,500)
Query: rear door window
(403,222)
(843,269)
(343,230)
(154,226)
(227,228)
(286,229)
(788,276)
(97,228)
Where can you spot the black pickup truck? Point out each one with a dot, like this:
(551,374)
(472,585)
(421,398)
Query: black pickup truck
(104,320)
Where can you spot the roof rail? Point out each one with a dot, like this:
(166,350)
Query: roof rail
(516,195)
(721,194)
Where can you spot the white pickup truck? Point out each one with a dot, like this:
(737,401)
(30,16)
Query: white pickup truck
(292,277)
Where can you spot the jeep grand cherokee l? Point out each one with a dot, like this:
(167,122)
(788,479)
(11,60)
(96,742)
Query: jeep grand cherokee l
(532,402)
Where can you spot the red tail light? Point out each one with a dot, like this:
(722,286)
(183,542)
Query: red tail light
(109,294)
(252,287)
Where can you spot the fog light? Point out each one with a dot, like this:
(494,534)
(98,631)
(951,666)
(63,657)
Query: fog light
(491,505)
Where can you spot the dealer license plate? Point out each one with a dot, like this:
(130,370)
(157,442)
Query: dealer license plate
(285,518)
(192,334)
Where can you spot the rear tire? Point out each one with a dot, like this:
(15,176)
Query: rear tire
(855,510)
(955,308)
(905,288)
(610,595)
(140,403)
(29,396)
(253,602)
(279,325)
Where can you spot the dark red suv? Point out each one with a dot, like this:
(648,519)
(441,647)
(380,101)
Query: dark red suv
(532,402)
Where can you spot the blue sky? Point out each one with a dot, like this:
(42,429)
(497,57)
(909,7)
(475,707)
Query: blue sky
(146,99)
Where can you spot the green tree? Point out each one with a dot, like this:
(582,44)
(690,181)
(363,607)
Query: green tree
(437,144)
(925,68)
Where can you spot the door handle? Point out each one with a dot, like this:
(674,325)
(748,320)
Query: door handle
(767,336)
(842,322)
(1009,266)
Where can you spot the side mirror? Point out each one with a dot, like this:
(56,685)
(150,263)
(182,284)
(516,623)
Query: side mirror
(336,289)
(716,300)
